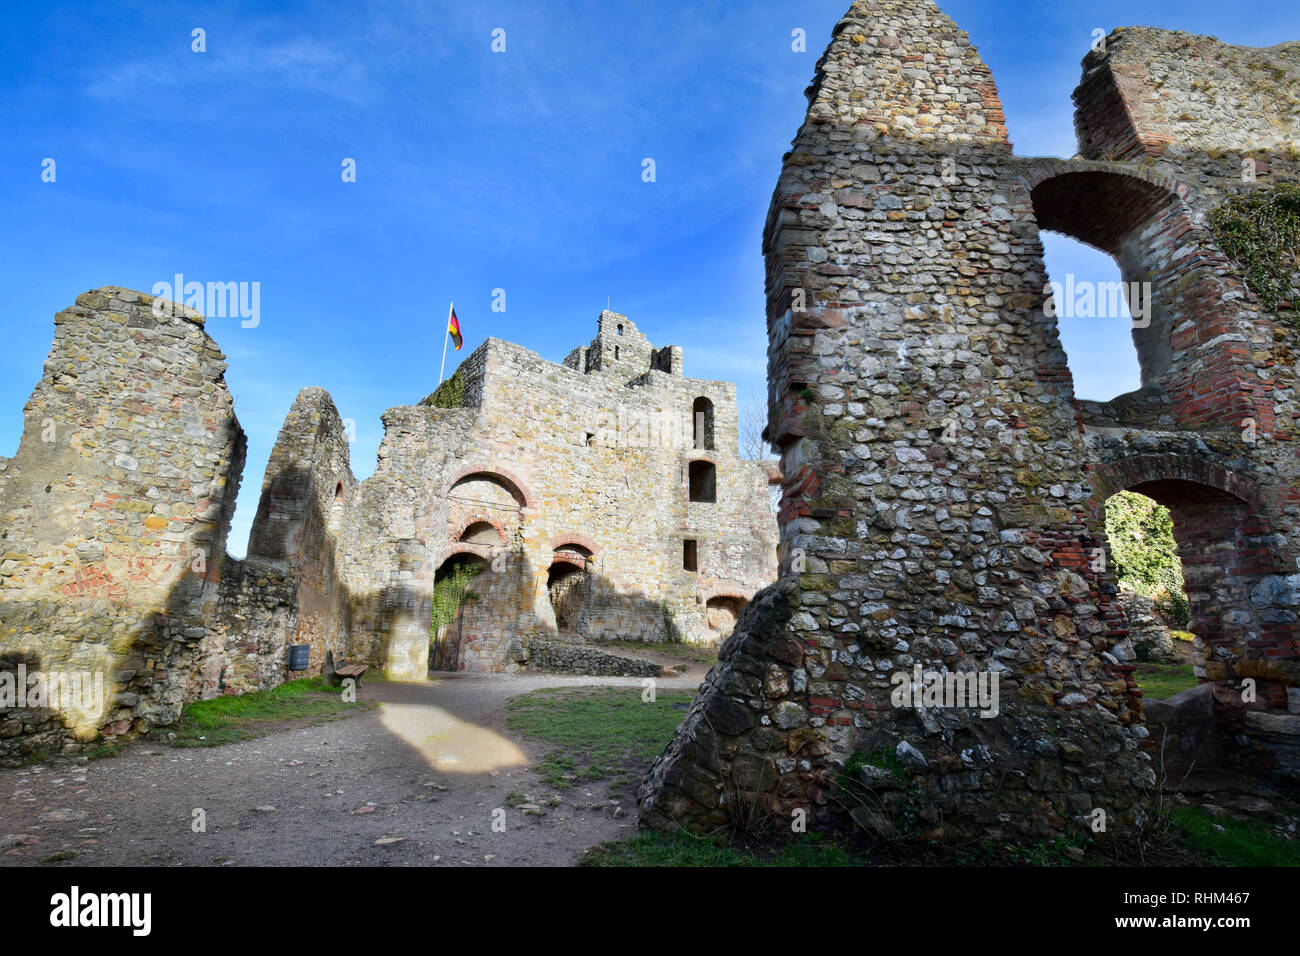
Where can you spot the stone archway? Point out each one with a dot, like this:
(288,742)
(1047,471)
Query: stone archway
(1240,595)
(1145,222)
(568,585)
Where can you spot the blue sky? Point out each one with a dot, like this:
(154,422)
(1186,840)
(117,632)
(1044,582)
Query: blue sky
(475,171)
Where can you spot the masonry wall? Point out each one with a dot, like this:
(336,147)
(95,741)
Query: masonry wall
(113,516)
(306,493)
(936,508)
(1208,121)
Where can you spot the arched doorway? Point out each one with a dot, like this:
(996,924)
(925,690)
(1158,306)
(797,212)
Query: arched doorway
(568,585)
(453,594)
(1240,599)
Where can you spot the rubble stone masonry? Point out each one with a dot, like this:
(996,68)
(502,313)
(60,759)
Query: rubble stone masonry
(943,485)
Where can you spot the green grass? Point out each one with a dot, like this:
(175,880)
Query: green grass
(222,720)
(1227,842)
(1162,681)
(683,849)
(597,730)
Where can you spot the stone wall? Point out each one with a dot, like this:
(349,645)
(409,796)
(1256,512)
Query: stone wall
(114,513)
(306,493)
(936,512)
(944,485)
(579,659)
(1198,122)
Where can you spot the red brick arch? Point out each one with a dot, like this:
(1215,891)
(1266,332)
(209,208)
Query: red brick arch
(456,531)
(1153,225)
(559,556)
(505,474)
(1133,471)
(581,540)
(483,551)
(724,590)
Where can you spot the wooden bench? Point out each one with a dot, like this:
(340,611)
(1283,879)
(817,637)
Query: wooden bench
(338,673)
(343,670)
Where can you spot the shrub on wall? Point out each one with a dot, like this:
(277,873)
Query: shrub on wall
(1261,232)
(1141,537)
(450,394)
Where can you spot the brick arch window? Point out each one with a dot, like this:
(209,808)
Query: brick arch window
(487,489)
(702,423)
(1182,304)
(702,479)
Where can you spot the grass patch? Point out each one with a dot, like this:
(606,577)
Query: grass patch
(598,730)
(1162,681)
(60,857)
(1228,842)
(683,849)
(223,720)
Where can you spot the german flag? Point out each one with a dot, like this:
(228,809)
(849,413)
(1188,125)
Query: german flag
(453,326)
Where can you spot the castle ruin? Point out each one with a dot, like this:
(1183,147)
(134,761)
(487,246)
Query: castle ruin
(603,498)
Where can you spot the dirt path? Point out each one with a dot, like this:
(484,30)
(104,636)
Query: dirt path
(414,781)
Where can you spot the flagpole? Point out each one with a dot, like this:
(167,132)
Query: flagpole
(446,334)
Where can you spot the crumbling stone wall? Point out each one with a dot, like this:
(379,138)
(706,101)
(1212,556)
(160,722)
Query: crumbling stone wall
(943,484)
(306,493)
(936,511)
(114,513)
(1201,121)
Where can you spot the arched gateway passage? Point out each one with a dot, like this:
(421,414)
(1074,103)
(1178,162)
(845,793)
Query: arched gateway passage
(1236,585)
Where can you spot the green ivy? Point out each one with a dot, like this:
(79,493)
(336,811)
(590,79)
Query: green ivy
(450,591)
(1261,232)
(1141,535)
(450,394)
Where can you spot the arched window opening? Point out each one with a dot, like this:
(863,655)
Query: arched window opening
(702,423)
(1093,318)
(482,532)
(336,509)
(702,476)
(722,613)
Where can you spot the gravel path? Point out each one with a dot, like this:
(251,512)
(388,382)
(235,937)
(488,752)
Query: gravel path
(413,781)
